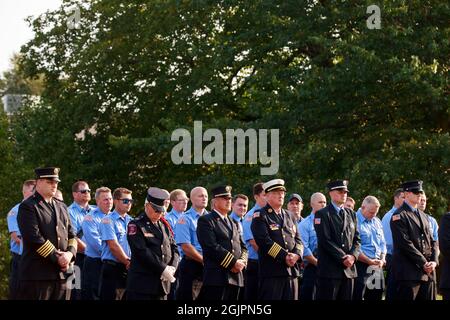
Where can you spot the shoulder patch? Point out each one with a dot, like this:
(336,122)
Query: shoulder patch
(88,217)
(316,220)
(132,229)
(106,220)
(395,217)
(249,218)
(11,213)
(256,214)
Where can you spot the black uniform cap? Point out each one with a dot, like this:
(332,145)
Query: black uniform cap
(221,191)
(50,173)
(338,185)
(155,197)
(413,186)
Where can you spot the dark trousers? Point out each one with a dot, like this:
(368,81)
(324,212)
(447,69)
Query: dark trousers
(445,294)
(174,286)
(90,278)
(132,295)
(391,286)
(113,280)
(334,289)
(278,288)
(414,290)
(308,287)
(43,290)
(219,293)
(79,262)
(251,280)
(189,270)
(368,286)
(14,276)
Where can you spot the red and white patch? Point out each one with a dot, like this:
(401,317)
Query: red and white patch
(132,229)
(395,217)
(317,221)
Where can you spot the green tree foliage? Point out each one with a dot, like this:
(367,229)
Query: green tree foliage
(370,105)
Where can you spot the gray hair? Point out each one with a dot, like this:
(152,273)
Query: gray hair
(371,200)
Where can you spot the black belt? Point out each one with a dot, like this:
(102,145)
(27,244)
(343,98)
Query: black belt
(111,262)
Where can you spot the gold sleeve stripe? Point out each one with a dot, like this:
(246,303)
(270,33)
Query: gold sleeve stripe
(47,252)
(277,251)
(73,243)
(226,260)
(274,250)
(45,249)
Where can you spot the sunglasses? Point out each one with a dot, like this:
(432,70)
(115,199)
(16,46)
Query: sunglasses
(127,201)
(85,191)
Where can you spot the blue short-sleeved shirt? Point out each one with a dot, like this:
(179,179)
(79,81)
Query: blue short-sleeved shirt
(386,223)
(247,232)
(172,217)
(91,233)
(373,244)
(434,227)
(77,214)
(14,227)
(309,236)
(239,220)
(114,227)
(186,230)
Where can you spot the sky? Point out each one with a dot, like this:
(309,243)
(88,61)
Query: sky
(14,31)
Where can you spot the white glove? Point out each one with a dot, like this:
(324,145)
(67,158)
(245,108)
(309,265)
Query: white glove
(168,273)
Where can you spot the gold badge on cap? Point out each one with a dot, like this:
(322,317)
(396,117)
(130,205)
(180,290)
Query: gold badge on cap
(227,189)
(56,171)
(270,210)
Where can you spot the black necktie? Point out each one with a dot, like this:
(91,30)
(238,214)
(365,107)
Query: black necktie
(341,214)
(228,223)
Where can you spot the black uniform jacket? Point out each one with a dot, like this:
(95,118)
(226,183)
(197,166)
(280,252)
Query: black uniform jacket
(336,237)
(44,231)
(444,246)
(413,245)
(152,250)
(222,247)
(276,236)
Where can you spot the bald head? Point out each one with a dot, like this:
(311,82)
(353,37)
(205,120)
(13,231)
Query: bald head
(318,201)
(199,198)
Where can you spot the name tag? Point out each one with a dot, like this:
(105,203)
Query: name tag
(149,235)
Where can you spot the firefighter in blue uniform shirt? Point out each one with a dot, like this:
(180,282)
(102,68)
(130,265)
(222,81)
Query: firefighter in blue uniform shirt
(224,251)
(154,254)
(338,245)
(251,272)
(49,243)
(279,246)
(415,252)
(16,240)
